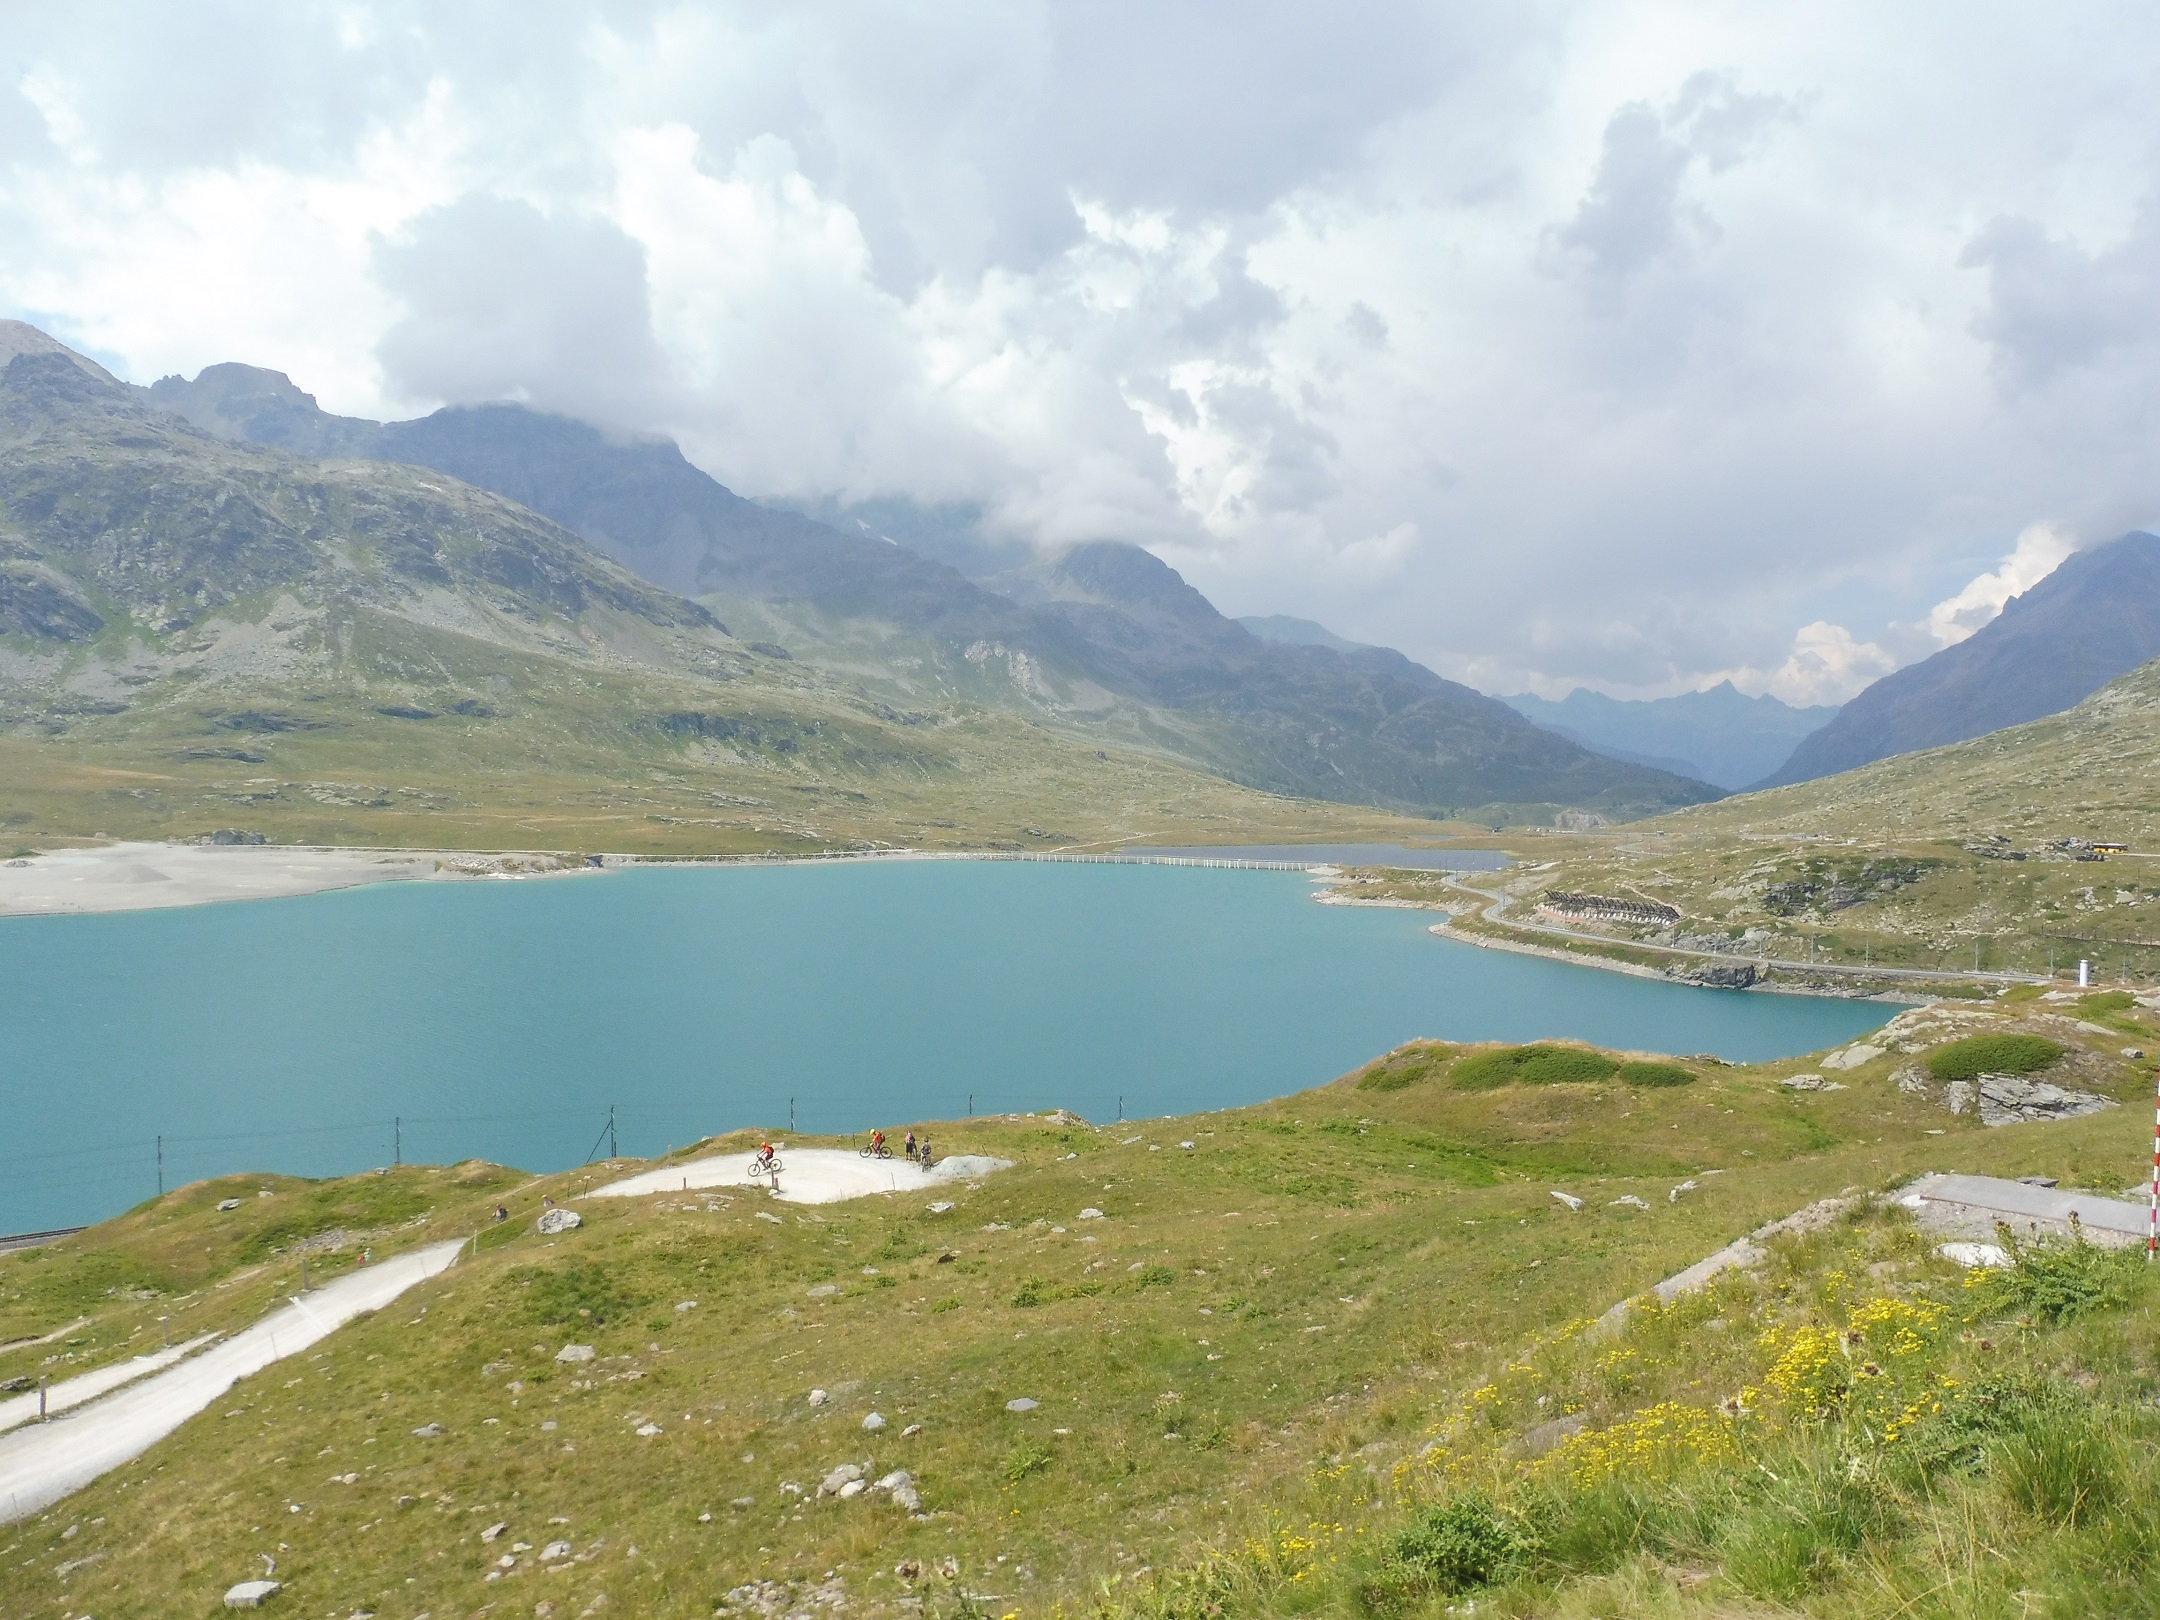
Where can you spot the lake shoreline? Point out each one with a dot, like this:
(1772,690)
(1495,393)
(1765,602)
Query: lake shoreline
(103,879)
(108,879)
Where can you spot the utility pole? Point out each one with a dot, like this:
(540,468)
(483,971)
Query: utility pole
(971,1105)
(161,1165)
(397,1138)
(791,1116)
(611,1153)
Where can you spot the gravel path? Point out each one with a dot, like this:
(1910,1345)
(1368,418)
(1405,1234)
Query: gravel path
(69,1392)
(46,1461)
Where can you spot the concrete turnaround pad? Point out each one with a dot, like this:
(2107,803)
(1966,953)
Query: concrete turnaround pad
(43,1462)
(1969,1207)
(810,1176)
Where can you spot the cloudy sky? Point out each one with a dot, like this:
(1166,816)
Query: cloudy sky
(1634,345)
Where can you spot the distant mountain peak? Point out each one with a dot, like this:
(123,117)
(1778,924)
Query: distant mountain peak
(2096,617)
(1719,734)
(20,337)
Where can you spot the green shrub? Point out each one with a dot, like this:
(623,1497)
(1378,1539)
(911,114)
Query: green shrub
(1655,1074)
(1155,1277)
(1400,1070)
(1028,1459)
(1531,1066)
(1033,1292)
(2059,1282)
(1992,1054)
(1955,1440)
(1459,1545)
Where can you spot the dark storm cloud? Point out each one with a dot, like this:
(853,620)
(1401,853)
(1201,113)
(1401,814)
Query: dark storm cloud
(502,302)
(1637,343)
(2054,307)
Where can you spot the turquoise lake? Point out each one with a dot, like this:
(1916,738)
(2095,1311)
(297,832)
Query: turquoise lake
(502,1020)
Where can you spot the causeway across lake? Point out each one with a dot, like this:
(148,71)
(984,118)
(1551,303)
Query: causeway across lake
(502,1020)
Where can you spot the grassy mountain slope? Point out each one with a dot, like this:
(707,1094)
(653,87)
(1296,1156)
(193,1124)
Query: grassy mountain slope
(1279,1360)
(195,634)
(2094,618)
(1935,859)
(1104,643)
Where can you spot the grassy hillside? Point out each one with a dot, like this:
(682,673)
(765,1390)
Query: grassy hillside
(1919,861)
(1290,1367)
(1104,643)
(196,634)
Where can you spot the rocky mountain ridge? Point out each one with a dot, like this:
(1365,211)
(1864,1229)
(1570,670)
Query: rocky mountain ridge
(1101,641)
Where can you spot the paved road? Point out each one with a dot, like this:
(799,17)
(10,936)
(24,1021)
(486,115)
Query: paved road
(46,1461)
(1502,906)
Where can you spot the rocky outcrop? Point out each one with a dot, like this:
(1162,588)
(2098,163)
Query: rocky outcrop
(1715,975)
(2009,1099)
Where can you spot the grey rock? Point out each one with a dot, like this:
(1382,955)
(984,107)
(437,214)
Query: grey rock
(1810,1082)
(2039,1181)
(894,1480)
(1852,1057)
(250,1594)
(229,1203)
(1091,1214)
(840,1479)
(824,1290)
(818,1397)
(575,1352)
(1537,1441)
(905,1496)
(2008,1099)
(1568,1199)
(1912,1081)
(852,1488)
(911,1431)
(428,1431)
(554,1550)
(492,1531)
(1715,975)
(554,1221)
(1630,1201)
(874,1422)
(1023,1404)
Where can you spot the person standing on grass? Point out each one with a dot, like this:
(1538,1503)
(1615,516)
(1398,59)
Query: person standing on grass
(911,1147)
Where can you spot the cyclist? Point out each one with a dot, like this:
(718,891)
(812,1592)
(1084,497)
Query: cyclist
(878,1150)
(763,1161)
(922,1153)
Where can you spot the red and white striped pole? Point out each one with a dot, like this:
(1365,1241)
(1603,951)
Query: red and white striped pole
(2152,1229)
